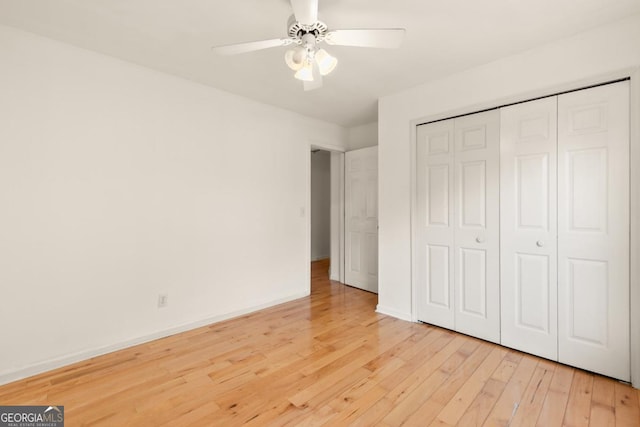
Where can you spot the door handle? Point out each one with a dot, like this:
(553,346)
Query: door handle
(480,239)
(539,243)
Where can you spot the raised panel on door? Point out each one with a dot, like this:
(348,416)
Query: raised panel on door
(528,234)
(437,277)
(473,282)
(476,225)
(361,212)
(433,234)
(593,229)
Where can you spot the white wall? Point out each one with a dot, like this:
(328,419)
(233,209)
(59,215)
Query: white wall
(564,64)
(320,205)
(117,183)
(362,136)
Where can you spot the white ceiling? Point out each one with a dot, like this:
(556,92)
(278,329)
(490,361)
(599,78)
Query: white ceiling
(443,37)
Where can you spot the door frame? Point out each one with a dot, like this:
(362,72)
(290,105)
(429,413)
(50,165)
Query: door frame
(633,74)
(337,209)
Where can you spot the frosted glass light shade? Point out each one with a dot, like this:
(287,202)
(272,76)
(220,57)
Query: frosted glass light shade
(305,73)
(295,58)
(326,62)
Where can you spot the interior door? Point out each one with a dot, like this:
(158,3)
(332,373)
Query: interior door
(433,246)
(361,212)
(593,229)
(476,225)
(528,231)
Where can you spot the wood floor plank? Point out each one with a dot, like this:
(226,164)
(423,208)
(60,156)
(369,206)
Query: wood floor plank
(603,403)
(327,359)
(479,409)
(427,411)
(346,415)
(373,415)
(579,404)
(460,402)
(626,409)
(555,402)
(353,402)
(507,405)
(428,365)
(508,366)
(353,372)
(533,398)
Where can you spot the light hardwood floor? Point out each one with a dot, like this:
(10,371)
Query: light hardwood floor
(328,359)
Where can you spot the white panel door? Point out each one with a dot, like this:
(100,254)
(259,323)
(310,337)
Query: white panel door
(476,225)
(433,247)
(361,211)
(528,232)
(593,229)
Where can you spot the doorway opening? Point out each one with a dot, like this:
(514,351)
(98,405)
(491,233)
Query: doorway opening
(343,199)
(320,205)
(326,211)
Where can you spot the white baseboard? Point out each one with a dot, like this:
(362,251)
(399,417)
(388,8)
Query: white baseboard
(319,257)
(22,373)
(393,313)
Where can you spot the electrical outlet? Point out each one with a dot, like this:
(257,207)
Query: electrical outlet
(163,300)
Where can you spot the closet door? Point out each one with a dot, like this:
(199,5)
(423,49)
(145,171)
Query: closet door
(593,229)
(476,225)
(528,233)
(434,223)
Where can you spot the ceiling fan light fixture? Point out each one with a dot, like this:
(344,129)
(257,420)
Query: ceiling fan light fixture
(305,73)
(305,33)
(295,58)
(326,62)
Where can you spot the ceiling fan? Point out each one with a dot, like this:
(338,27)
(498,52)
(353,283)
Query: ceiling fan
(305,33)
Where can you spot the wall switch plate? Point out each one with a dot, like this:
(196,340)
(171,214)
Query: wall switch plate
(163,300)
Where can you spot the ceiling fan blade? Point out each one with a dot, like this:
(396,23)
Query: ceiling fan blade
(305,11)
(317,79)
(233,49)
(389,38)
(316,84)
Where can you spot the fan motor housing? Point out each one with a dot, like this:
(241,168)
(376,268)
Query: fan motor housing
(297,30)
